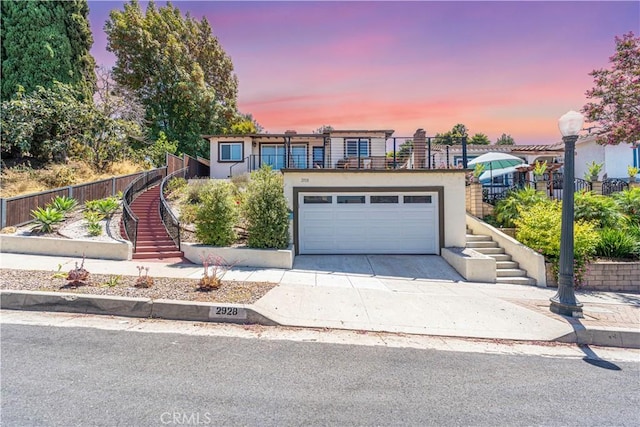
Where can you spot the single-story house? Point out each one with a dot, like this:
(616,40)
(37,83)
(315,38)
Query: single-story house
(347,196)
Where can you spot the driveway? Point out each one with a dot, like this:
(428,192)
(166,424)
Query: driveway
(426,267)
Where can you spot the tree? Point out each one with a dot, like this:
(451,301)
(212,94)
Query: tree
(44,42)
(616,95)
(324,128)
(245,124)
(479,139)
(454,136)
(505,140)
(177,69)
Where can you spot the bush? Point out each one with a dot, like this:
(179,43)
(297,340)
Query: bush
(217,215)
(265,210)
(46,219)
(106,207)
(628,202)
(539,228)
(176,186)
(63,204)
(617,243)
(599,209)
(196,189)
(506,210)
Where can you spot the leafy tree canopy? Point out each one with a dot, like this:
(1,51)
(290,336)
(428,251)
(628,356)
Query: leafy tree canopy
(479,139)
(615,104)
(505,140)
(454,136)
(178,70)
(44,42)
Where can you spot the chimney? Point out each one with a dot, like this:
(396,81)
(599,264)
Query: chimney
(290,132)
(419,149)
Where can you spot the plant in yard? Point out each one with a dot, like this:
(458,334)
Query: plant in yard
(143,281)
(107,206)
(478,170)
(93,222)
(539,168)
(617,243)
(507,210)
(539,228)
(632,171)
(628,202)
(188,213)
(599,209)
(46,219)
(265,211)
(217,215)
(196,190)
(63,204)
(78,275)
(219,266)
(175,187)
(112,282)
(593,170)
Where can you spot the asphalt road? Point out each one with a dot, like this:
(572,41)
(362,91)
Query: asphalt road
(84,377)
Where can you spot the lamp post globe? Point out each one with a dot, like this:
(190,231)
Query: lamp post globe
(565,302)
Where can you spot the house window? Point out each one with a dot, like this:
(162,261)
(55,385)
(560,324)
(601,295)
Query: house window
(350,199)
(298,158)
(231,151)
(356,148)
(317,199)
(384,199)
(417,199)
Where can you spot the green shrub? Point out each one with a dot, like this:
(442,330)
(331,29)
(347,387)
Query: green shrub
(176,186)
(601,210)
(46,219)
(106,207)
(617,243)
(217,215)
(265,210)
(506,210)
(63,204)
(628,202)
(188,213)
(93,219)
(539,228)
(196,189)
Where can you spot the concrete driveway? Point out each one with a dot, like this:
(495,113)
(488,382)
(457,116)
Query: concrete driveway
(426,267)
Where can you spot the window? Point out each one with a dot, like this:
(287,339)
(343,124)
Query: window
(298,158)
(317,199)
(273,155)
(356,148)
(417,199)
(231,152)
(350,199)
(384,199)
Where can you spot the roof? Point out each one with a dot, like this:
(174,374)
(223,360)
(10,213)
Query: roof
(387,132)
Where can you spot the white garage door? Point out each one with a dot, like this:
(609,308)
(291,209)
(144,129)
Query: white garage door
(368,223)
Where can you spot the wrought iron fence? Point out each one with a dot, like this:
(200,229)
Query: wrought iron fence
(129,219)
(171,223)
(614,185)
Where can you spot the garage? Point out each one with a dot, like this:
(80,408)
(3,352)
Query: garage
(374,222)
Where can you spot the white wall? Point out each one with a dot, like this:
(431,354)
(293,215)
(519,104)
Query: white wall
(616,158)
(221,170)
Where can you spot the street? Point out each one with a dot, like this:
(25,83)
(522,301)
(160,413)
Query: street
(55,376)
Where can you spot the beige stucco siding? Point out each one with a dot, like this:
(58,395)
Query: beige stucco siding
(451,182)
(221,169)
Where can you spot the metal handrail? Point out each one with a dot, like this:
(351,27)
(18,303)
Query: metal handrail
(133,190)
(171,223)
(244,161)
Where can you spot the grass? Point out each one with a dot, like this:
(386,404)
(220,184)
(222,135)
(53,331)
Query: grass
(24,179)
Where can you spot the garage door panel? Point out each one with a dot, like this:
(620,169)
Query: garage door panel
(374,228)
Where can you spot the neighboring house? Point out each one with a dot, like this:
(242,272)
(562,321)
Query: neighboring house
(347,196)
(616,158)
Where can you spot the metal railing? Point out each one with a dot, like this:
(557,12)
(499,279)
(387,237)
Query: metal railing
(171,223)
(614,185)
(129,219)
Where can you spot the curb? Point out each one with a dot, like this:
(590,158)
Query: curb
(243,314)
(132,307)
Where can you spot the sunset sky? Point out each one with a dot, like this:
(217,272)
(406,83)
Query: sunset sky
(497,67)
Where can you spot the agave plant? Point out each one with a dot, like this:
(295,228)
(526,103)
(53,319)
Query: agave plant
(46,219)
(63,204)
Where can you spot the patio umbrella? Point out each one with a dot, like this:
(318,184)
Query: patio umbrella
(495,161)
(492,173)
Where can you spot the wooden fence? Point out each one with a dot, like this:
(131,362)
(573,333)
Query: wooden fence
(16,211)
(196,167)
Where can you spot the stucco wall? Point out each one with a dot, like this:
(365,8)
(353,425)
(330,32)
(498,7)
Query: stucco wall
(221,170)
(452,182)
(616,158)
(66,247)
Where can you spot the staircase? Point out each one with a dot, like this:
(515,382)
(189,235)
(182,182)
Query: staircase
(153,240)
(507,270)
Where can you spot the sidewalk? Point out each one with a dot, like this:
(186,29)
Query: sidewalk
(373,294)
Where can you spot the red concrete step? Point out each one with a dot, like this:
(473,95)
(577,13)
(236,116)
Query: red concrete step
(158,255)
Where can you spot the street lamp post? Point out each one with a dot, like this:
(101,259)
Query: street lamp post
(565,302)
